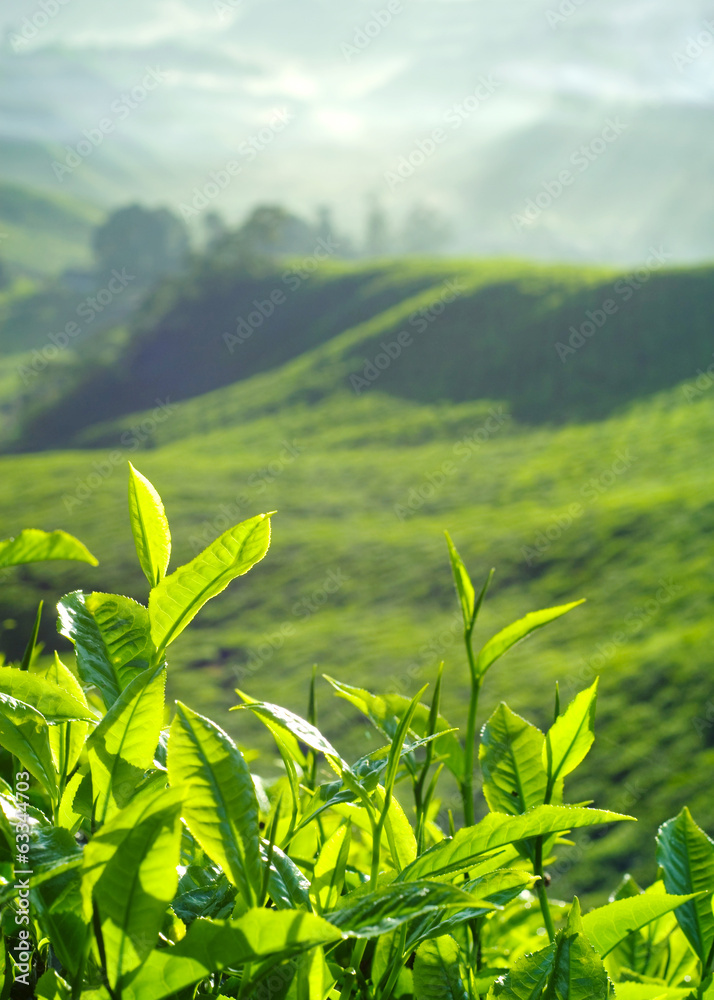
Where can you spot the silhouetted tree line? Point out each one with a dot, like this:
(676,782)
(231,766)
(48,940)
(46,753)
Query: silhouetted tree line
(156,243)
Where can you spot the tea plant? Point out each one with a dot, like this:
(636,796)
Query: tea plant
(141,861)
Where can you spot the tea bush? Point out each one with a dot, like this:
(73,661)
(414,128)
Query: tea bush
(141,859)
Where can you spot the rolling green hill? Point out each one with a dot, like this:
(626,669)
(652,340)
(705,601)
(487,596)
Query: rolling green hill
(589,477)
(559,344)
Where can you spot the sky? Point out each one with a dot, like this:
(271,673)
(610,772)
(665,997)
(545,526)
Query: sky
(469,107)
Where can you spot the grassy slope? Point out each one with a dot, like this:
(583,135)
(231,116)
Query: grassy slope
(498,337)
(44,233)
(637,548)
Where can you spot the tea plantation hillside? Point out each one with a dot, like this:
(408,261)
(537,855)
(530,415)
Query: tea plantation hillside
(616,509)
(557,343)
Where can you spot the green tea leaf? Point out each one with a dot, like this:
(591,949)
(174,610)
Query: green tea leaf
(45,696)
(76,801)
(313,980)
(203,892)
(130,871)
(500,886)
(570,737)
(515,633)
(372,913)
(111,637)
(385,711)
(287,886)
(149,526)
(121,748)
(25,733)
(398,831)
(686,855)
(652,991)
(179,597)
(283,737)
(51,986)
(33,545)
(510,756)
(436,971)
(370,767)
(578,972)
(395,750)
(329,873)
(297,727)
(493,889)
(258,936)
(220,806)
(498,830)
(607,925)
(528,977)
(32,649)
(55,893)
(464,586)
(66,740)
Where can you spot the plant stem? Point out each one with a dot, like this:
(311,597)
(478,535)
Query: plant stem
(396,965)
(245,980)
(467,787)
(357,956)
(540,888)
(376,848)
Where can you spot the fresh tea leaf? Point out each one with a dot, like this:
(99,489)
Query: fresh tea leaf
(498,830)
(380,912)
(220,805)
(508,637)
(24,733)
(111,637)
(436,971)
(48,698)
(686,855)
(607,925)
(149,526)
(122,746)
(210,945)
(130,873)
(514,779)
(33,545)
(178,598)
(570,737)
